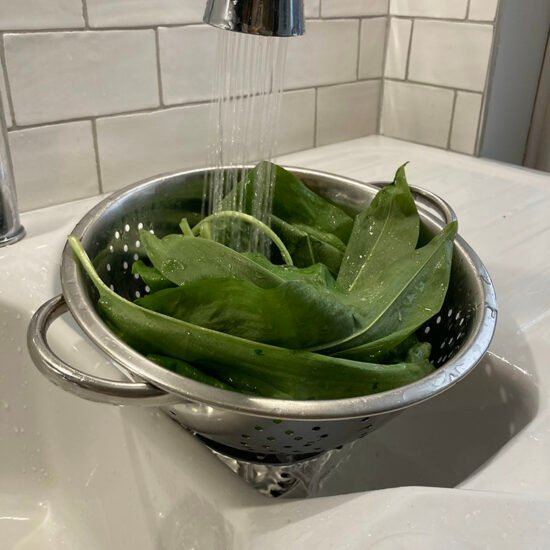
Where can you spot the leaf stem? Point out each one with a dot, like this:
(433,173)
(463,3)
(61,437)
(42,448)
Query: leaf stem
(253,221)
(185,228)
(86,263)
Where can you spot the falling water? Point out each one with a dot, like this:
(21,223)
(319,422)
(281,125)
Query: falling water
(244,120)
(243,129)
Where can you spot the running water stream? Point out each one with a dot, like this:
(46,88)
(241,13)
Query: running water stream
(244,120)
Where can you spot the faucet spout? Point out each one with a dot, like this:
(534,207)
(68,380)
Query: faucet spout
(260,17)
(11,230)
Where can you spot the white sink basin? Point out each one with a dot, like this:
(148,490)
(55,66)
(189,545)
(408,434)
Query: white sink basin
(469,469)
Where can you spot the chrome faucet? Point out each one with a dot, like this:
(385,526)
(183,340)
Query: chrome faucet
(263,17)
(11,230)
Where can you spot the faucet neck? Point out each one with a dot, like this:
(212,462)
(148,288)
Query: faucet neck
(10,229)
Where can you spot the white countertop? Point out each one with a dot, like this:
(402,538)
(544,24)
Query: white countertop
(504,214)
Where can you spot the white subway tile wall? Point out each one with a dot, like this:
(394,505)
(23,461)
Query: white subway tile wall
(442,49)
(137,146)
(41,14)
(417,113)
(187,63)
(353,8)
(297,124)
(64,75)
(347,110)
(54,164)
(451,54)
(129,13)
(139,73)
(483,10)
(326,54)
(465,122)
(312,8)
(371,48)
(449,9)
(398,48)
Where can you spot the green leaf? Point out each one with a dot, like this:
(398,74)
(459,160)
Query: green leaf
(378,350)
(184,259)
(308,248)
(383,351)
(325,238)
(186,228)
(382,233)
(295,374)
(247,218)
(316,273)
(419,353)
(151,276)
(294,202)
(403,296)
(187,370)
(295,315)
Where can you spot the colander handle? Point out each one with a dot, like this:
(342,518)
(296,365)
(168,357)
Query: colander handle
(430,201)
(75,381)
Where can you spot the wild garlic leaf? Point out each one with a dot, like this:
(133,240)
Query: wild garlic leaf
(296,314)
(308,247)
(294,374)
(187,370)
(316,273)
(151,277)
(391,349)
(383,232)
(184,259)
(378,350)
(403,296)
(294,202)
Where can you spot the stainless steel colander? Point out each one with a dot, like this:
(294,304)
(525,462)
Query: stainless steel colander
(249,428)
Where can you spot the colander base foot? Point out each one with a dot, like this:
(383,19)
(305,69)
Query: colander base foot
(301,478)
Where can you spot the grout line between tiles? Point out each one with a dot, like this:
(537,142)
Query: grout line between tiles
(460,21)
(96,151)
(488,85)
(165,107)
(321,86)
(479,126)
(154,25)
(468,6)
(85,14)
(4,68)
(386,46)
(101,29)
(159,70)
(146,110)
(354,16)
(452,121)
(381,106)
(383,78)
(316,117)
(137,27)
(409,48)
(359,49)
(430,85)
